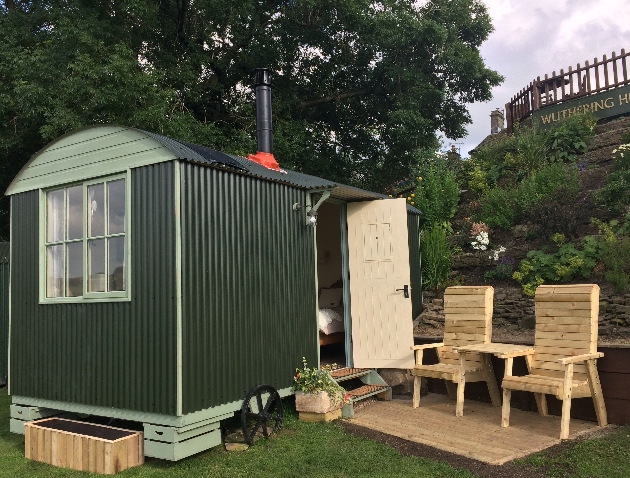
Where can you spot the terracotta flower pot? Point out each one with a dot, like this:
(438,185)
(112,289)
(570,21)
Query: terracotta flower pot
(316,402)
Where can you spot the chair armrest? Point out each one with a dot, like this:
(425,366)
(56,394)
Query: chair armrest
(428,346)
(580,358)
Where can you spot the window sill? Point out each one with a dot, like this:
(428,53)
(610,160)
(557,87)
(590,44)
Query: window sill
(83,300)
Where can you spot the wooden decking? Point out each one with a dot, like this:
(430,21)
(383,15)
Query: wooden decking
(478,434)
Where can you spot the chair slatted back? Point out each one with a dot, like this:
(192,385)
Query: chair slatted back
(467,320)
(566,325)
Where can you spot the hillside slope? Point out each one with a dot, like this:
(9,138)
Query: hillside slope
(513,311)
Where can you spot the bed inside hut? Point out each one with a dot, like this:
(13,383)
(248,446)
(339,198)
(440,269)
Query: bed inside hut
(332,332)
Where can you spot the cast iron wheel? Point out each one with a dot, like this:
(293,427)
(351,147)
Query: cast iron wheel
(266,401)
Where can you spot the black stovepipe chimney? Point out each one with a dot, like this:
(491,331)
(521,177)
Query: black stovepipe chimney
(264,127)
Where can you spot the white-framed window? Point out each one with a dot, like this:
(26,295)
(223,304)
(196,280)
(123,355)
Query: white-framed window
(85,241)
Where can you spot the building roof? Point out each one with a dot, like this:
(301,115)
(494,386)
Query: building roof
(490,140)
(106,149)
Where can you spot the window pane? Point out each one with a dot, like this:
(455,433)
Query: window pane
(96,266)
(54,216)
(74,214)
(54,271)
(96,210)
(74,269)
(116,263)
(116,206)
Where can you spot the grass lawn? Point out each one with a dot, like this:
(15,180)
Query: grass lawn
(606,457)
(299,450)
(326,450)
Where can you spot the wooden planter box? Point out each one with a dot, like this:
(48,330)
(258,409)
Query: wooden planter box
(83,446)
(317,407)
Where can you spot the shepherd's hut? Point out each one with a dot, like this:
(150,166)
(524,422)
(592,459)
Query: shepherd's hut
(160,282)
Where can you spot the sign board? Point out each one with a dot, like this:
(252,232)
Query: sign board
(603,105)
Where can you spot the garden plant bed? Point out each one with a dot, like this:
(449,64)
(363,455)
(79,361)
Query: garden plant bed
(83,446)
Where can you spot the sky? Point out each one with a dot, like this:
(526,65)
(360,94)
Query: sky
(535,37)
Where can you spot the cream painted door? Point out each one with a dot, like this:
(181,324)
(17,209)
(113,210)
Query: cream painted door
(378,253)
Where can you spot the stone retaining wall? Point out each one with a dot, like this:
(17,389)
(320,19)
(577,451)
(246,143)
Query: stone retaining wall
(513,308)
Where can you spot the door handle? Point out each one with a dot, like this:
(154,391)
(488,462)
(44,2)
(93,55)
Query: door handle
(405,290)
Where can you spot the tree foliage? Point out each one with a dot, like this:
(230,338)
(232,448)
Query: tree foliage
(360,86)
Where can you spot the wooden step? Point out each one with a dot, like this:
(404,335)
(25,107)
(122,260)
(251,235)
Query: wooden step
(366,391)
(347,373)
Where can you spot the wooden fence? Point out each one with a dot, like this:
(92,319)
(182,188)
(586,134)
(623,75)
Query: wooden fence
(585,80)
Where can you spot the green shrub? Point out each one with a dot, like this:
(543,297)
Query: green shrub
(625,138)
(571,137)
(315,380)
(563,213)
(497,209)
(503,270)
(436,195)
(615,195)
(436,256)
(611,250)
(618,279)
(614,250)
(532,151)
(478,180)
(502,208)
(491,160)
(511,159)
(543,184)
(564,265)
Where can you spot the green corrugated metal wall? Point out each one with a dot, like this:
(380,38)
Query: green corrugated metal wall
(413,229)
(110,354)
(248,286)
(4,309)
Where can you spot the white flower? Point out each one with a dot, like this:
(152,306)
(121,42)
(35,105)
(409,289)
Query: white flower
(482,247)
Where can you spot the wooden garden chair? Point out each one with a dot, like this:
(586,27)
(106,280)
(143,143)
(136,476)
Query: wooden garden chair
(467,320)
(565,353)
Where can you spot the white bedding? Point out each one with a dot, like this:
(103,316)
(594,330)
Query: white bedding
(330,321)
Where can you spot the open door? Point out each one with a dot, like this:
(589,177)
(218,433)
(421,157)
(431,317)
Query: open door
(378,256)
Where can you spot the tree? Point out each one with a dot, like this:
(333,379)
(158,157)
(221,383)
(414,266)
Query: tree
(360,86)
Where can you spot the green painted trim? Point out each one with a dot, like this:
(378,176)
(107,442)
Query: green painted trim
(135,416)
(345,274)
(183,449)
(373,378)
(30,413)
(309,203)
(175,435)
(128,231)
(325,195)
(178,285)
(88,153)
(16,426)
(42,244)
(88,297)
(347,411)
(10,265)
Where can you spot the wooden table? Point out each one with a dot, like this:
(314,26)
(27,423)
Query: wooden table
(504,351)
